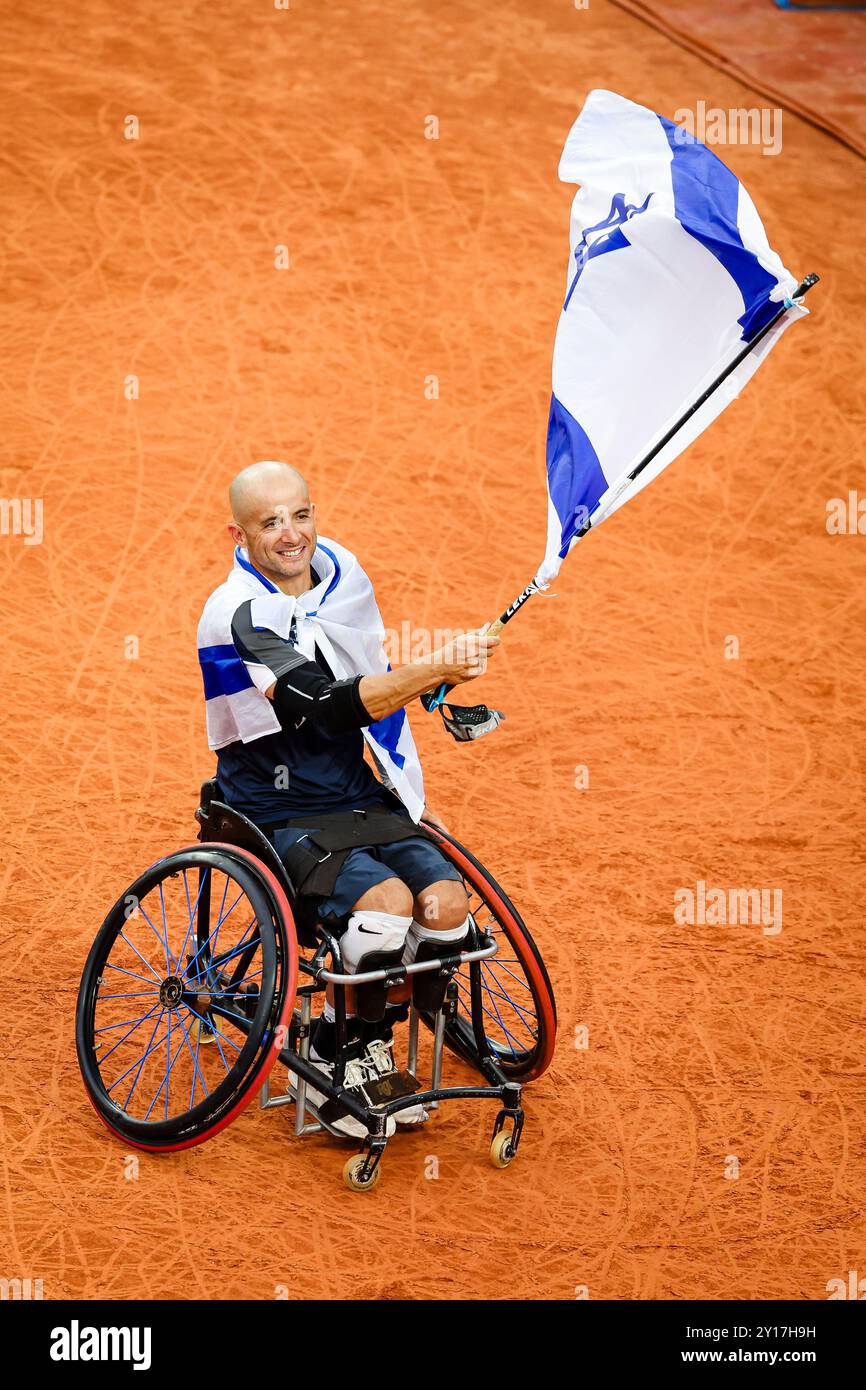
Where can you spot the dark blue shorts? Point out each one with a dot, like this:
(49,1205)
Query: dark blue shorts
(415,861)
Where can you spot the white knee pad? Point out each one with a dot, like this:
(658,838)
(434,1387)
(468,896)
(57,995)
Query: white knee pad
(419,931)
(372,931)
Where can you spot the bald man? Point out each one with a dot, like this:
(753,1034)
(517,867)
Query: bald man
(397,899)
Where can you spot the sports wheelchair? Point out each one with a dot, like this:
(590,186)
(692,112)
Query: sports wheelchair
(202,977)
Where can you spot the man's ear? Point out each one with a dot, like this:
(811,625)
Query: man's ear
(236,534)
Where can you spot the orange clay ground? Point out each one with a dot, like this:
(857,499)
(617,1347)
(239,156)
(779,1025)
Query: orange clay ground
(410,258)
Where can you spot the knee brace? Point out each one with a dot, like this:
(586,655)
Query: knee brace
(371,932)
(373,941)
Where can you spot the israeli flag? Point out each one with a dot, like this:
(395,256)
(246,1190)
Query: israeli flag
(669,274)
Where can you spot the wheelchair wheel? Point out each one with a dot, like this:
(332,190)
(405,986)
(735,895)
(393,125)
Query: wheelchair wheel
(185,997)
(506,1006)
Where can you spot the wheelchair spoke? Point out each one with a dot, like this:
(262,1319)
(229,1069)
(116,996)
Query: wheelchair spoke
(135,994)
(217,962)
(508,1034)
(196,1070)
(192,908)
(210,939)
(169,1065)
(209,1024)
(225,918)
(499,963)
(487,969)
(521,1018)
(522,1012)
(105,1056)
(505,1017)
(120,969)
(163,939)
(241,942)
(109,1027)
(141,1063)
(134,948)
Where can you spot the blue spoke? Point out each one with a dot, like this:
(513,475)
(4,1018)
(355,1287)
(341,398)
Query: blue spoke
(190,910)
(218,961)
(223,903)
(525,1020)
(520,1009)
(211,937)
(498,1019)
(213,965)
(231,993)
(502,1026)
(500,962)
(141,1063)
(109,1027)
(167,1053)
(125,938)
(121,971)
(196,1073)
(493,995)
(135,994)
(104,1058)
(163,940)
(225,918)
(217,1034)
(177,1024)
(193,910)
(169,963)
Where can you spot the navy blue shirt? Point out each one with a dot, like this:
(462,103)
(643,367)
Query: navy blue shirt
(315,763)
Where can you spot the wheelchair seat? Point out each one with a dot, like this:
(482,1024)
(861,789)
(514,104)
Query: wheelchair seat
(220,822)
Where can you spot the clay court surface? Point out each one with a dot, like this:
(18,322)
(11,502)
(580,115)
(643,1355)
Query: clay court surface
(409,258)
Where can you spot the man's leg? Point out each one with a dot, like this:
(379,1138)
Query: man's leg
(390,897)
(440,916)
(442,909)
(379,907)
(391,906)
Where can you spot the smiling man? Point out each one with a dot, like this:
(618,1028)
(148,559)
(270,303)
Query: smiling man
(297,685)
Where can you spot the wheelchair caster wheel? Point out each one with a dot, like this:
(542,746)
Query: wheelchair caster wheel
(352,1174)
(501,1151)
(204,1034)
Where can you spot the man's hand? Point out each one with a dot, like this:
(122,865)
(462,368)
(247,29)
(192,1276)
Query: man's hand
(433,819)
(465,657)
(460,660)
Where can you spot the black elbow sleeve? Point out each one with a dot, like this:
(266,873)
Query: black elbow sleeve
(345,705)
(335,705)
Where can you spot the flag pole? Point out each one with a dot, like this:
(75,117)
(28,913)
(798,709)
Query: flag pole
(431,701)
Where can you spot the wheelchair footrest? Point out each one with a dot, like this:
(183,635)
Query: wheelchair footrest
(394,1085)
(371,998)
(429,987)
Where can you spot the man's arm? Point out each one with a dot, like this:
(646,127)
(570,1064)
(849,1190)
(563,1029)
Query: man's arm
(459,661)
(300,688)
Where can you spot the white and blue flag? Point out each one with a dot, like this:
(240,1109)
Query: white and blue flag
(670,274)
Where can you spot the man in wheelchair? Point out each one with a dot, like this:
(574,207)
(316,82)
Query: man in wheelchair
(297,685)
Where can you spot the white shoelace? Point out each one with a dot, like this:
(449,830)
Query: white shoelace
(356,1073)
(378,1061)
(381,1057)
